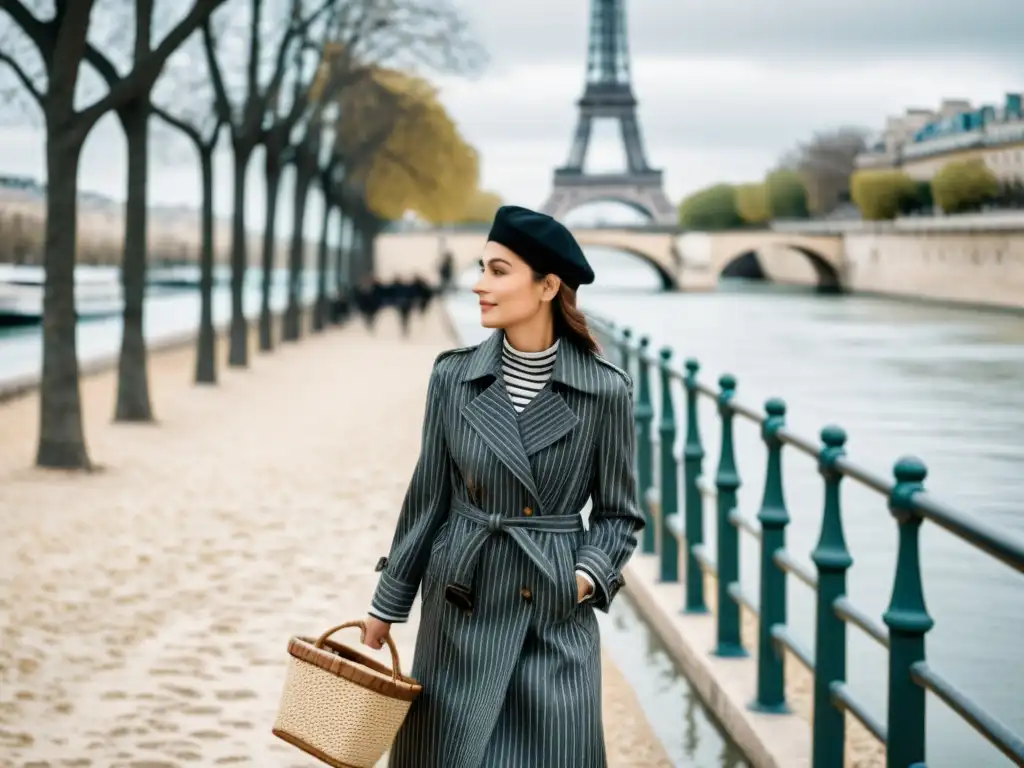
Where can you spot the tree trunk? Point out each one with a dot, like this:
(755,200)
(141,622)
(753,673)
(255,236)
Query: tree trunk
(61,437)
(133,402)
(273,176)
(238,347)
(206,353)
(341,283)
(355,255)
(341,286)
(292,326)
(320,307)
(367,231)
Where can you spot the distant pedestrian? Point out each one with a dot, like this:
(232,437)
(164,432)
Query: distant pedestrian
(422,293)
(368,300)
(446,270)
(403,298)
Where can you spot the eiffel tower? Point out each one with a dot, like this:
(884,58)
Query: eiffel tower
(609,95)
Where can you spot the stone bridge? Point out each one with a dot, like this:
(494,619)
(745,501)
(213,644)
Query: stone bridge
(687,261)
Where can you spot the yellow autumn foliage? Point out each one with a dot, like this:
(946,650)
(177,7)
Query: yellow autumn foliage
(480,207)
(752,203)
(400,144)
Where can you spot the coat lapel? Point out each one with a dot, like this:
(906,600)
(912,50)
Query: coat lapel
(546,420)
(492,416)
(513,437)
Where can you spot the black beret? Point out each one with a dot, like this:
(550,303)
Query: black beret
(543,243)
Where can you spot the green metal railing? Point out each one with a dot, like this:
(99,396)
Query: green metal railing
(669,535)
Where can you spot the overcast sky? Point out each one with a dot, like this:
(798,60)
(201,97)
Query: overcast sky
(725,86)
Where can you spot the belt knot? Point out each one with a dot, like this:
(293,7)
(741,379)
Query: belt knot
(494,522)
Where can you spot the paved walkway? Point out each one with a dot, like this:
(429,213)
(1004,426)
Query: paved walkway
(145,609)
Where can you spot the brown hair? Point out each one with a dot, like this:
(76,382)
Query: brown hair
(570,322)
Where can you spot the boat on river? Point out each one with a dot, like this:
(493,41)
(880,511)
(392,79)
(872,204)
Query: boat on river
(98,293)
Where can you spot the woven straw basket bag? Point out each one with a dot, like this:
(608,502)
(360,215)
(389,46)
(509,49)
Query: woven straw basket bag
(340,706)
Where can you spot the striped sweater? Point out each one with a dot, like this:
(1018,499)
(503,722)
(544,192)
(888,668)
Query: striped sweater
(526,373)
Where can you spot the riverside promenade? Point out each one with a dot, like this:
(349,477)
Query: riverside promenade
(145,608)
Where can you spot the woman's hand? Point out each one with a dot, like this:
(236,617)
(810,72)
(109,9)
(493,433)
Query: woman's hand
(375,632)
(583,588)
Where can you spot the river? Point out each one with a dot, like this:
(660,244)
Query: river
(169,314)
(938,382)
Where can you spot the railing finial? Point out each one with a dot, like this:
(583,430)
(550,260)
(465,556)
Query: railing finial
(908,621)
(833,560)
(693,460)
(727,482)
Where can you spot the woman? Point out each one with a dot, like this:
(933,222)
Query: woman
(519,432)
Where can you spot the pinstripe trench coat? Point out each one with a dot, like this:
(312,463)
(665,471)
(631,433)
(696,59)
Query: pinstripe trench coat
(490,534)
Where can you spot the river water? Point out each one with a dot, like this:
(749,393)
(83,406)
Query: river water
(941,383)
(169,313)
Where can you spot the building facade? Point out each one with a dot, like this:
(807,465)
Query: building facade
(922,141)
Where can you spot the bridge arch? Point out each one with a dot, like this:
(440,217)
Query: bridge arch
(828,278)
(650,201)
(666,274)
(775,253)
(635,205)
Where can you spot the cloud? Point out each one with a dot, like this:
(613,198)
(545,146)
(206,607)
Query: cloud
(703,120)
(548,31)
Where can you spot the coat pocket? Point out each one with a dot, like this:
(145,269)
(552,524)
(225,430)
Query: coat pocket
(437,562)
(581,614)
(567,591)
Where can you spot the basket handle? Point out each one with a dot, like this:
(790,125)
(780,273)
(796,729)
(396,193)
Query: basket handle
(395,663)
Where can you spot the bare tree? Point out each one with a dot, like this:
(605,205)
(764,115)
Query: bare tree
(245,120)
(328,174)
(195,117)
(275,146)
(133,401)
(283,117)
(60,43)
(826,163)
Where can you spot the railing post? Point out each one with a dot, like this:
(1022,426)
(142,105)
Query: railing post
(908,621)
(608,338)
(644,460)
(773,516)
(693,458)
(624,348)
(727,481)
(832,559)
(669,474)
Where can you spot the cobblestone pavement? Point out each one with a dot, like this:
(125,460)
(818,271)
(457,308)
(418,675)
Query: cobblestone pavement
(145,608)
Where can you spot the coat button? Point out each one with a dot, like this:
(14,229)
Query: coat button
(527,594)
(528,511)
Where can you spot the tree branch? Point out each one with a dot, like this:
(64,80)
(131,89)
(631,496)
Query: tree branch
(254,46)
(145,72)
(220,94)
(23,77)
(39,32)
(181,125)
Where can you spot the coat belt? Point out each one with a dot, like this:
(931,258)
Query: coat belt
(467,550)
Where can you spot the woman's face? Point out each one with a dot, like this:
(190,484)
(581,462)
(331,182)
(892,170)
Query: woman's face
(508,292)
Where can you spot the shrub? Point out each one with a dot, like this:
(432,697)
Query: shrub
(964,185)
(710,208)
(787,195)
(883,193)
(752,203)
